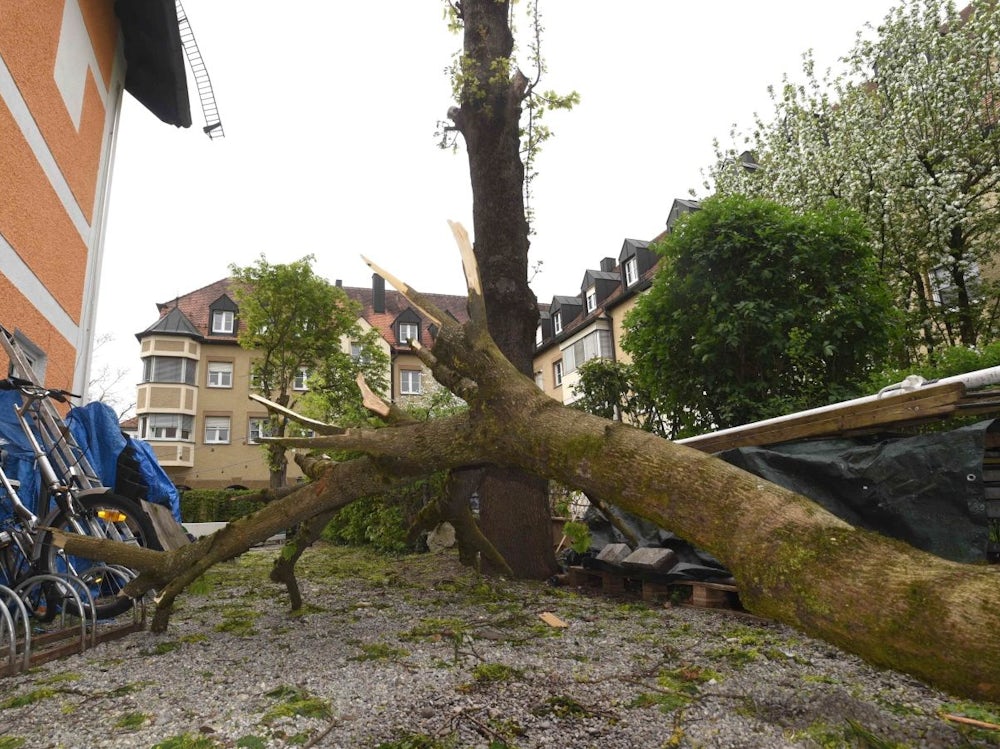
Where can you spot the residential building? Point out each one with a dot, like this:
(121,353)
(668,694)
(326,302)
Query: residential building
(63,69)
(192,404)
(575,329)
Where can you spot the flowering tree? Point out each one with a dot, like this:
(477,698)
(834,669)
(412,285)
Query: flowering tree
(907,136)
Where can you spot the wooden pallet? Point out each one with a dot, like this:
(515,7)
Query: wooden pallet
(690,592)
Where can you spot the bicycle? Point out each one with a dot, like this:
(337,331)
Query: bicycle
(69,500)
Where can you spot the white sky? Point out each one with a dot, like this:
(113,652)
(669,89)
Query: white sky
(329,111)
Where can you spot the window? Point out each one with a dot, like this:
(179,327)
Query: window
(217,430)
(593,346)
(538,336)
(301,378)
(557,372)
(166,427)
(259,426)
(591,299)
(539,381)
(557,322)
(409,382)
(220,374)
(168,369)
(35,356)
(631,271)
(223,321)
(408,331)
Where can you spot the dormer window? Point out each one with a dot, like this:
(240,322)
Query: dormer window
(557,322)
(538,336)
(222,316)
(408,331)
(631,271)
(223,321)
(591,299)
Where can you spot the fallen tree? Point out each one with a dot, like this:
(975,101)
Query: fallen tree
(794,562)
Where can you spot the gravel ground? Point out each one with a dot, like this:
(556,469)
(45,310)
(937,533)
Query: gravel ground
(424,654)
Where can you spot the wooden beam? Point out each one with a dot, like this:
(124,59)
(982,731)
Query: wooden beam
(929,401)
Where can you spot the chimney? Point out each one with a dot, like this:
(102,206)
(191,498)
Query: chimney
(339,283)
(608,264)
(378,293)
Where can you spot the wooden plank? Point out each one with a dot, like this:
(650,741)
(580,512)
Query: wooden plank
(933,400)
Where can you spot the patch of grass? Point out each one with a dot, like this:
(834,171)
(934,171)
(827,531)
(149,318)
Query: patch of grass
(131,721)
(851,734)
(293,701)
(125,689)
(418,741)
(60,678)
(486,673)
(984,711)
(677,687)
(11,742)
(28,698)
(562,706)
(201,586)
(435,628)
(251,742)
(379,651)
(187,741)
(161,648)
(239,621)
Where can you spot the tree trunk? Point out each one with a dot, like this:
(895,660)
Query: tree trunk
(514,506)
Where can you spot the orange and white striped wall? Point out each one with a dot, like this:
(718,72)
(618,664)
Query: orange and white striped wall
(62,73)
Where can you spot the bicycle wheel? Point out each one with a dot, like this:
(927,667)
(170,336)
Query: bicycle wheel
(108,516)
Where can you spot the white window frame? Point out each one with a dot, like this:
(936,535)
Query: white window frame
(218,430)
(631,271)
(557,373)
(405,330)
(410,382)
(220,374)
(257,426)
(591,296)
(223,321)
(557,322)
(538,336)
(154,427)
(301,380)
(540,380)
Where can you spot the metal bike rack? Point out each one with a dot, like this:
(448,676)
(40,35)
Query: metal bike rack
(10,598)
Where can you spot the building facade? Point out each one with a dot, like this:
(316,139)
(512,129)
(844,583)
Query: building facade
(64,65)
(192,405)
(572,330)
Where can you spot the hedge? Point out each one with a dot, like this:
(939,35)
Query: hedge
(216,505)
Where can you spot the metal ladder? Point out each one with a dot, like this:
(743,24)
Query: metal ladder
(213,123)
(55,437)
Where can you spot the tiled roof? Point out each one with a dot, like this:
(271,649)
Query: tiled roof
(194,308)
(396,303)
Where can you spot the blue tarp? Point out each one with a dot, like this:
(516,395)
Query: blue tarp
(95,428)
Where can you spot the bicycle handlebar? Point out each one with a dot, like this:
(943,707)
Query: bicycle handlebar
(36,391)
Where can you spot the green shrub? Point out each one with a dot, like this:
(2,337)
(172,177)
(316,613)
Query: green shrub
(217,505)
(383,521)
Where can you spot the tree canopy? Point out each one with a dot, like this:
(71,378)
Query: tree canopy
(305,330)
(906,136)
(758,310)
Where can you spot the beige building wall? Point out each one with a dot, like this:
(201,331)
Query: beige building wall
(545,371)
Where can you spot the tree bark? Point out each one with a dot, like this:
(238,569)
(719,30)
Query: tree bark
(514,506)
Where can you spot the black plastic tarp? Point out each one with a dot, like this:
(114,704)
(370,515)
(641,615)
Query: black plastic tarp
(926,490)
